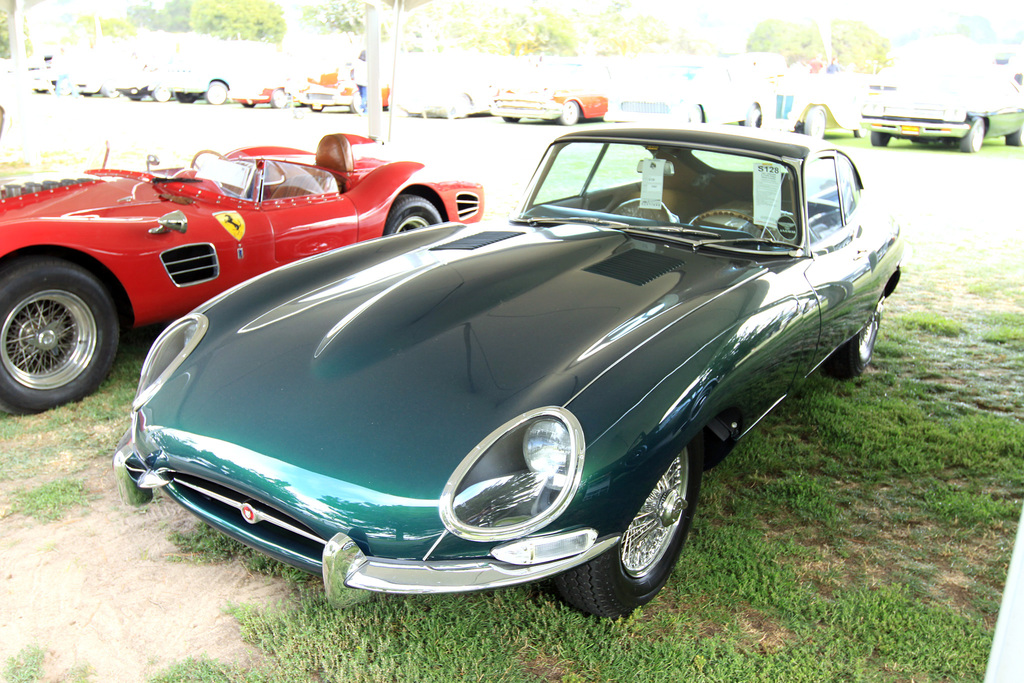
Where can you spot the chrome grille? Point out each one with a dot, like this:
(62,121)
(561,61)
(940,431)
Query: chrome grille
(467,205)
(191,264)
(214,497)
(641,107)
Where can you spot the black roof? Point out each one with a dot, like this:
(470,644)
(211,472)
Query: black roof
(772,143)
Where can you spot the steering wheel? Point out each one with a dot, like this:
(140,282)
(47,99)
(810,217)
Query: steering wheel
(721,212)
(631,207)
(201,153)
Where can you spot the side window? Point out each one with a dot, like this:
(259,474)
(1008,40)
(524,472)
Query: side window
(824,213)
(849,186)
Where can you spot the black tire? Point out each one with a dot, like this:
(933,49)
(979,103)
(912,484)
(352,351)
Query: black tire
(1014,138)
(879,139)
(613,586)
(410,212)
(753,118)
(64,360)
(249,105)
(185,98)
(972,142)
(852,358)
(510,119)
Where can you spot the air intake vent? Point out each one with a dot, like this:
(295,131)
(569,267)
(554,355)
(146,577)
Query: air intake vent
(191,264)
(635,267)
(467,204)
(478,240)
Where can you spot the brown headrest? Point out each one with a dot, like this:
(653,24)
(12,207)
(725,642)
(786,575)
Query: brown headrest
(335,153)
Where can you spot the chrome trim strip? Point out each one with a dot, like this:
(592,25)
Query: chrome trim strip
(261,516)
(457,576)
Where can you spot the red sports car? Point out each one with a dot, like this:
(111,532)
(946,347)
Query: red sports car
(82,257)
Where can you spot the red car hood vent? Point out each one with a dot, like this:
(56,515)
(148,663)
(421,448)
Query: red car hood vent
(635,267)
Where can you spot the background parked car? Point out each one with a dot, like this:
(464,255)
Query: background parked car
(566,92)
(962,107)
(698,90)
(814,103)
(467,87)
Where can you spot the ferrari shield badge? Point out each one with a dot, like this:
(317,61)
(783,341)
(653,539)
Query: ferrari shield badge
(232,222)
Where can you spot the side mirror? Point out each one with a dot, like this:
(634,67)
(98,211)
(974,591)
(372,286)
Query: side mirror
(151,161)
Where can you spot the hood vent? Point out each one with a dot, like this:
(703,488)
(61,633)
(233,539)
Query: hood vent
(191,264)
(635,267)
(478,240)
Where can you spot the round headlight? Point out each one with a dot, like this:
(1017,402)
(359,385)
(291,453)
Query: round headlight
(169,350)
(547,446)
(518,479)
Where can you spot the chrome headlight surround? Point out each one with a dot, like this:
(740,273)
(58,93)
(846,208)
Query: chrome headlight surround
(512,483)
(169,350)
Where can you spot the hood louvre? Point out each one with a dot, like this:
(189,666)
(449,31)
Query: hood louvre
(481,239)
(635,267)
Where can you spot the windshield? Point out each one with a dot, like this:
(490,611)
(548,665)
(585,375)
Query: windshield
(233,177)
(719,194)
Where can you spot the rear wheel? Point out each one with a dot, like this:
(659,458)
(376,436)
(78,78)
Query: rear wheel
(58,334)
(410,212)
(632,573)
(815,122)
(1014,138)
(571,114)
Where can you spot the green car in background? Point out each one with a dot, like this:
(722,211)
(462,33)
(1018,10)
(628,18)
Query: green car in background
(463,408)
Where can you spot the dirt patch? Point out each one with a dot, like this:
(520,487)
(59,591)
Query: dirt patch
(97,590)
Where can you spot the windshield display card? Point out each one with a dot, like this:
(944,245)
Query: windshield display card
(652,183)
(768,192)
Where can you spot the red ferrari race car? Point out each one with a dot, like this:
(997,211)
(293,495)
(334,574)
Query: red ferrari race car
(82,257)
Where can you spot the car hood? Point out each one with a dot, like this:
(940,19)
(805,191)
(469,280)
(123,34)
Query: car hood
(385,363)
(85,197)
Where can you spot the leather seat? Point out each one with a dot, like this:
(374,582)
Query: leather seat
(335,154)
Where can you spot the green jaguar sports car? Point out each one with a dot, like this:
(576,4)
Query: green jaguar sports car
(463,408)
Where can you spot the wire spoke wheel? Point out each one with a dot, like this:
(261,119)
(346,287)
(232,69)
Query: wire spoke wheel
(49,339)
(650,534)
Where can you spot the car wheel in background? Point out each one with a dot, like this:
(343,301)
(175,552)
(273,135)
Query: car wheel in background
(510,119)
(694,114)
(852,358)
(971,143)
(571,114)
(410,212)
(459,109)
(58,334)
(753,119)
(162,94)
(1014,139)
(879,139)
(217,93)
(279,99)
(815,122)
(109,90)
(629,575)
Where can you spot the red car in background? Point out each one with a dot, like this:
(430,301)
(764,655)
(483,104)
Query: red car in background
(82,257)
(563,92)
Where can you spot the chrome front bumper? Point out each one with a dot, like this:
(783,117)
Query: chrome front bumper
(527,109)
(351,577)
(916,128)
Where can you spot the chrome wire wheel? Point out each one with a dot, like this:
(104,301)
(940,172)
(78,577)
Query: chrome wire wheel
(49,339)
(651,532)
(866,347)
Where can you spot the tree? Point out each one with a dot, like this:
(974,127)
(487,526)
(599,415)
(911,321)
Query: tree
(335,16)
(260,20)
(619,31)
(175,17)
(110,27)
(853,42)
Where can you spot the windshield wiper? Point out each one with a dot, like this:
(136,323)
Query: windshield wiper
(533,222)
(676,230)
(728,242)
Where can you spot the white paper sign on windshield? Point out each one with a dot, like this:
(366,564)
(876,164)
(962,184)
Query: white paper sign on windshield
(768,178)
(652,183)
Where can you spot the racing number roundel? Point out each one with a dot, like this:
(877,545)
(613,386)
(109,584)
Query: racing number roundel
(232,222)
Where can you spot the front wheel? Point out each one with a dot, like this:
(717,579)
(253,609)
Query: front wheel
(217,93)
(815,122)
(879,139)
(753,118)
(410,212)
(971,143)
(279,99)
(58,337)
(632,573)
(852,358)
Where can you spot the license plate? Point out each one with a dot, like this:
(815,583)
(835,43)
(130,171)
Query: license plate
(910,130)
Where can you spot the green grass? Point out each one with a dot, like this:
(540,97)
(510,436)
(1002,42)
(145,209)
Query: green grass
(51,501)
(26,666)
